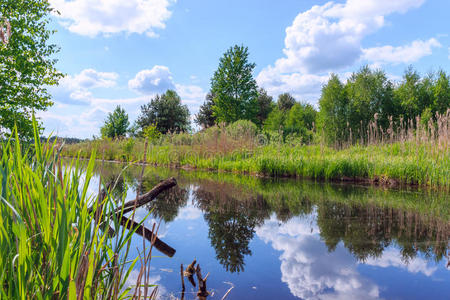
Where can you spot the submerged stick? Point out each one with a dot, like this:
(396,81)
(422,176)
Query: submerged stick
(148,234)
(147,197)
(202,292)
(183,288)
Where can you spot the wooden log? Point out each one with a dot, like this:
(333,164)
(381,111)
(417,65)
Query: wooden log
(143,231)
(147,197)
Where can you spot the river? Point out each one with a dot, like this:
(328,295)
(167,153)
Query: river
(292,239)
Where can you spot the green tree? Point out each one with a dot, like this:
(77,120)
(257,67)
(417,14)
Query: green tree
(234,88)
(441,93)
(265,106)
(116,124)
(205,117)
(26,64)
(409,94)
(275,120)
(369,92)
(167,112)
(285,101)
(300,121)
(333,113)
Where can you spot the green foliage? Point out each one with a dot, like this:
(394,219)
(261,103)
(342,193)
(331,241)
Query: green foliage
(205,116)
(167,112)
(234,88)
(275,121)
(51,244)
(285,101)
(26,64)
(369,93)
(116,124)
(265,106)
(242,128)
(333,113)
(300,121)
(151,132)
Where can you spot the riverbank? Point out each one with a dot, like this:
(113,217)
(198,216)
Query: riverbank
(400,163)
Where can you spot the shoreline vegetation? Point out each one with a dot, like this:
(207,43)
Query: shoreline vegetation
(418,156)
(57,240)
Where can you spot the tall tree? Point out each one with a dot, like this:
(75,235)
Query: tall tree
(234,88)
(205,117)
(285,101)
(369,93)
(116,124)
(441,93)
(265,106)
(333,111)
(167,112)
(26,64)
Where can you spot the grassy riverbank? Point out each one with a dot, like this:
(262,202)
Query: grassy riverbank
(51,245)
(404,162)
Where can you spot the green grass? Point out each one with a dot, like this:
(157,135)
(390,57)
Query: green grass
(424,163)
(51,246)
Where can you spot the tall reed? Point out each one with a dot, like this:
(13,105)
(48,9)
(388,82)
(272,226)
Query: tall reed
(51,244)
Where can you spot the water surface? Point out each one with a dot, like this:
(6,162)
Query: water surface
(291,239)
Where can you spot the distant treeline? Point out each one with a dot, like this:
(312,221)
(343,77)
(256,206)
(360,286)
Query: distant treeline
(66,140)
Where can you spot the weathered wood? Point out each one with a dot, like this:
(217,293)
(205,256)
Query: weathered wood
(148,234)
(143,199)
(147,197)
(189,272)
(202,293)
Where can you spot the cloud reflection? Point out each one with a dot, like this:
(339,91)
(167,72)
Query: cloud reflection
(310,271)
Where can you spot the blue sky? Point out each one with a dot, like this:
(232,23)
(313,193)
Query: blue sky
(117,52)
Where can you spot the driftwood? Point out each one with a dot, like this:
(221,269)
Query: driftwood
(189,272)
(202,292)
(132,205)
(148,234)
(143,199)
(183,288)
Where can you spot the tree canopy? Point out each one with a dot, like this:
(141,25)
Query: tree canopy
(26,64)
(205,117)
(234,88)
(116,124)
(166,112)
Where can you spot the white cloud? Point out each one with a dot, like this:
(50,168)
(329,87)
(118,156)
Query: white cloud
(304,87)
(76,89)
(159,79)
(156,80)
(328,38)
(305,263)
(392,257)
(402,54)
(91,18)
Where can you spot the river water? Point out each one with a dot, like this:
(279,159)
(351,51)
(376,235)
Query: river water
(292,239)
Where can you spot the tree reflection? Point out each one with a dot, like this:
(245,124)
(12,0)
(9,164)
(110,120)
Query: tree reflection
(232,223)
(367,231)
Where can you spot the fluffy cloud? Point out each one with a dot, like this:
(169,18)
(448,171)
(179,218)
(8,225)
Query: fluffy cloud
(328,38)
(391,257)
(402,54)
(76,89)
(159,79)
(156,80)
(305,263)
(304,87)
(91,18)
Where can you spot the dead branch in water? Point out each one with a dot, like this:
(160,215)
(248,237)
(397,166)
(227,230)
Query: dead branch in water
(202,292)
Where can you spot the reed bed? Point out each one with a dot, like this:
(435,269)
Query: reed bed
(410,153)
(51,244)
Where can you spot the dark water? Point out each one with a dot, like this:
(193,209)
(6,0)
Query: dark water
(290,239)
